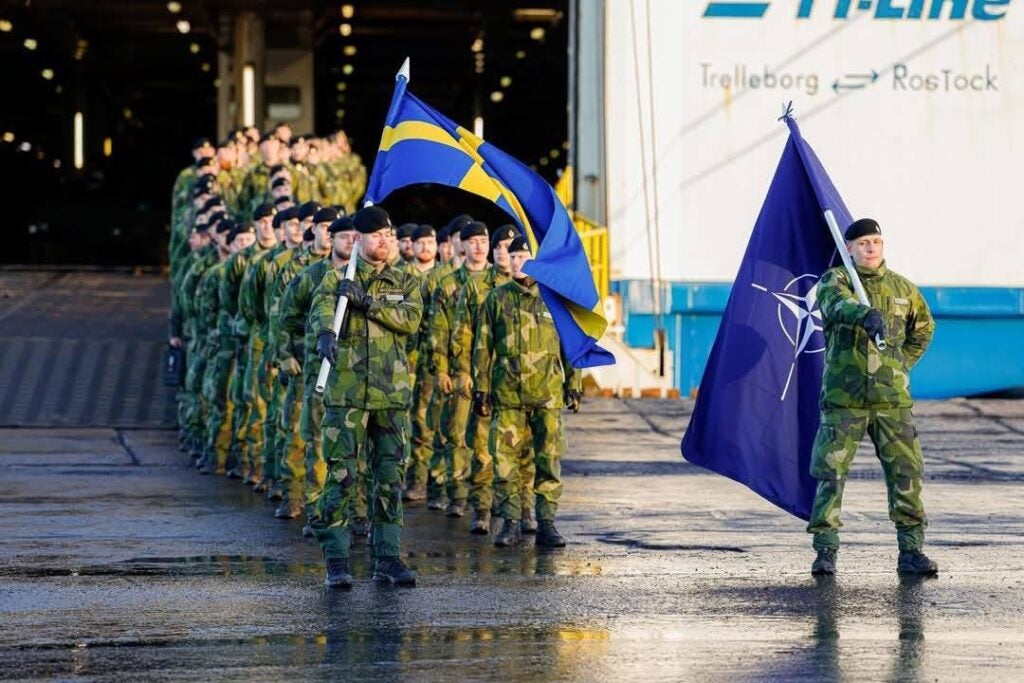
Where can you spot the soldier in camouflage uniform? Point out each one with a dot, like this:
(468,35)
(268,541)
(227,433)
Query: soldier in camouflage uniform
(519,369)
(367,399)
(481,467)
(455,411)
(292,468)
(297,339)
(241,388)
(866,389)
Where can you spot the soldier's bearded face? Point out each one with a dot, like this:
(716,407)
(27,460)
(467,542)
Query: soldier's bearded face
(425,249)
(376,245)
(867,251)
(342,244)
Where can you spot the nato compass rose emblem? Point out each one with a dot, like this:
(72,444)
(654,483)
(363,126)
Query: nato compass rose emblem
(800,320)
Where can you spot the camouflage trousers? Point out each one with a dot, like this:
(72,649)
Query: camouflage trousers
(291,466)
(271,443)
(190,415)
(310,418)
(255,397)
(436,467)
(513,432)
(454,421)
(378,439)
(426,410)
(236,389)
(220,407)
(899,450)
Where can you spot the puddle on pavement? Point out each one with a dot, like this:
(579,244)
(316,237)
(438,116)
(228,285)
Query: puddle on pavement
(211,565)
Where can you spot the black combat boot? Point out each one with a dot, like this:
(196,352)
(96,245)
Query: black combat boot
(528,524)
(393,571)
(456,508)
(263,485)
(415,493)
(288,509)
(437,503)
(916,562)
(360,528)
(509,535)
(337,574)
(825,563)
(548,536)
(275,492)
(235,472)
(481,524)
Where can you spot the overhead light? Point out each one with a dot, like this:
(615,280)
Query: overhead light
(108,147)
(56,163)
(345,30)
(174,7)
(348,11)
(347,69)
(126,112)
(537,33)
(537,14)
(48,74)
(248,95)
(81,47)
(478,45)
(194,48)
(79,137)
(544,161)
(520,54)
(30,44)
(497,96)
(506,81)
(342,87)
(565,145)
(205,66)
(339,113)
(8,136)
(350,50)
(555,153)
(183,26)
(25,146)
(216,83)
(59,89)
(5,26)
(478,127)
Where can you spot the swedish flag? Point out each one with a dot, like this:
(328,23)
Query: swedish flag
(421,145)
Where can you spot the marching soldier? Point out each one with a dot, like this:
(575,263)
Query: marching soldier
(866,389)
(521,374)
(367,399)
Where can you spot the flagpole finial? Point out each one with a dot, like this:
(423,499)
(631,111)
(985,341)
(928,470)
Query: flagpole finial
(787,111)
(404,71)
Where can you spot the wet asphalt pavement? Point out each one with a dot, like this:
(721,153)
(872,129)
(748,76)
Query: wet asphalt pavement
(117,562)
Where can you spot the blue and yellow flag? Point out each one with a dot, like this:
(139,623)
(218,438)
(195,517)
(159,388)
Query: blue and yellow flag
(421,145)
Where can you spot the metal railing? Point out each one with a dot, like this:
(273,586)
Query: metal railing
(595,244)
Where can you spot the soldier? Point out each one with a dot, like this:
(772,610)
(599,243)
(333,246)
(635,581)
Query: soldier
(242,388)
(424,243)
(520,371)
(444,245)
(298,340)
(367,399)
(292,469)
(455,411)
(866,389)
(480,474)
(404,234)
(201,149)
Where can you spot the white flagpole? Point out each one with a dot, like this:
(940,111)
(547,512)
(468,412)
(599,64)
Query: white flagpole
(858,286)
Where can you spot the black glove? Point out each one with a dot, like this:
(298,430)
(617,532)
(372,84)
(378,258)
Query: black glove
(874,324)
(481,404)
(282,379)
(357,297)
(573,399)
(325,346)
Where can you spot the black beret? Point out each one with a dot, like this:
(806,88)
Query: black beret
(405,230)
(224,224)
(443,235)
(862,227)
(307,235)
(277,168)
(341,225)
(371,219)
(472,229)
(325,215)
(504,232)
(263,210)
(200,227)
(240,229)
(201,142)
(268,136)
(284,199)
(457,223)
(308,210)
(279,182)
(210,204)
(520,243)
(288,214)
(422,231)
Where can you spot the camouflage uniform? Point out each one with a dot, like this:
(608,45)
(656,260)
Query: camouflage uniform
(481,467)
(366,401)
(220,358)
(190,410)
(517,361)
(297,339)
(867,390)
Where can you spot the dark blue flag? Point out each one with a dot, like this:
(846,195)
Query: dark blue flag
(757,409)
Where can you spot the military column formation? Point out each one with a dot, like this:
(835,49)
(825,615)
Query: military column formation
(446,382)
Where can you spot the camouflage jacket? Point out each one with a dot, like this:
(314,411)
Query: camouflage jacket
(857,374)
(185,296)
(230,321)
(208,304)
(467,309)
(255,188)
(297,327)
(517,358)
(252,291)
(442,317)
(372,371)
(416,340)
(286,272)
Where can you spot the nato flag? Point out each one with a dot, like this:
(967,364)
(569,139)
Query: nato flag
(757,409)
